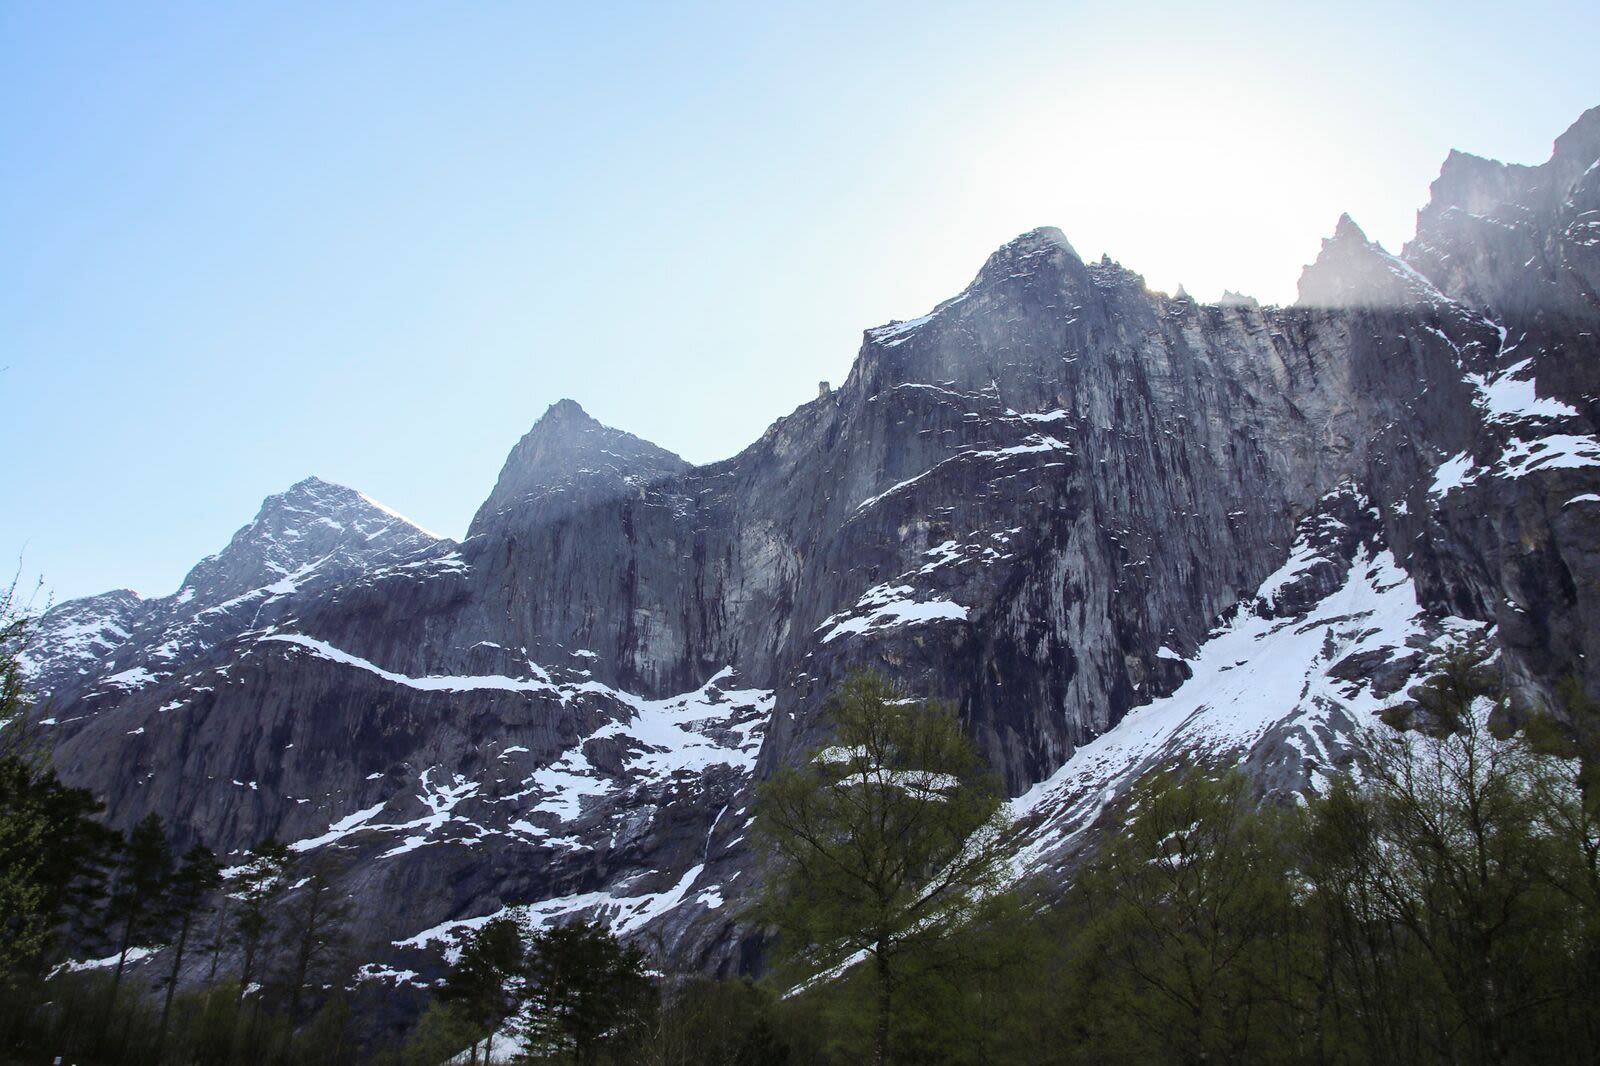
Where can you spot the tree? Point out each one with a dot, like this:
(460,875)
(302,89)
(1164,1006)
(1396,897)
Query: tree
(483,984)
(197,877)
(26,918)
(316,919)
(711,1022)
(139,894)
(586,991)
(438,1036)
(260,882)
(24,908)
(52,850)
(1193,913)
(53,856)
(884,842)
(1444,871)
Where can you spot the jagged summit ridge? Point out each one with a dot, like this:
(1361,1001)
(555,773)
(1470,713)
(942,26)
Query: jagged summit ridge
(1519,241)
(1352,270)
(566,411)
(1097,519)
(313,535)
(312,523)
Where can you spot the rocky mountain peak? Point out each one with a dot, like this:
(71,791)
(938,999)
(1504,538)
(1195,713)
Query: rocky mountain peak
(566,413)
(1024,254)
(1580,144)
(309,523)
(1347,230)
(1519,240)
(1353,271)
(1509,191)
(571,455)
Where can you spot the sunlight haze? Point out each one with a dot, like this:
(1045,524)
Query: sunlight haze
(244,244)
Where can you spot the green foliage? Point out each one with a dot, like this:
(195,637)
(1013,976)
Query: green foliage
(886,842)
(441,1032)
(484,984)
(26,918)
(588,994)
(25,907)
(1440,904)
(705,1022)
(53,859)
(259,884)
(1193,913)
(1451,875)
(53,851)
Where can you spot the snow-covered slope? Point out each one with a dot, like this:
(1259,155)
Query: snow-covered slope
(1279,686)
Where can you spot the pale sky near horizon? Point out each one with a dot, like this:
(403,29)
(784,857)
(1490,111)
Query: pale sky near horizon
(244,243)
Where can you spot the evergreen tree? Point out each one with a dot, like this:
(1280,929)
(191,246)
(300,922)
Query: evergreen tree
(26,910)
(139,894)
(197,877)
(484,984)
(316,920)
(586,992)
(259,883)
(885,842)
(53,851)
(53,860)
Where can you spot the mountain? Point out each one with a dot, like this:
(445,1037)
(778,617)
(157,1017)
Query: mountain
(1112,526)
(305,540)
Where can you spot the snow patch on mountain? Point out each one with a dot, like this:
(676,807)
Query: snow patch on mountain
(654,742)
(624,914)
(432,683)
(884,606)
(1255,676)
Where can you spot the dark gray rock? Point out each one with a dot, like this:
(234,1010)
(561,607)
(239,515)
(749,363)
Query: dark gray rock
(1079,509)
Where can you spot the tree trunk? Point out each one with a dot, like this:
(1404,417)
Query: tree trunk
(116,978)
(172,982)
(216,944)
(247,968)
(880,1050)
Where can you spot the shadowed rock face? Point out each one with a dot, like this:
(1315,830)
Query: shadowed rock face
(1048,500)
(1519,241)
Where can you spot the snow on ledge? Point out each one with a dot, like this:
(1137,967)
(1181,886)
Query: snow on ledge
(886,606)
(431,683)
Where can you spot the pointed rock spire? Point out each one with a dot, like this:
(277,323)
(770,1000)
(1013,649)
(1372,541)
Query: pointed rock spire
(568,458)
(1353,271)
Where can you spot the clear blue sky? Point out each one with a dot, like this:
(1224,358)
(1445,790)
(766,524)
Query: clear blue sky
(243,243)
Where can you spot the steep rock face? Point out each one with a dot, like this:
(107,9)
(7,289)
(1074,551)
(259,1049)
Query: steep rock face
(1279,685)
(1111,525)
(1519,241)
(1097,471)
(1515,531)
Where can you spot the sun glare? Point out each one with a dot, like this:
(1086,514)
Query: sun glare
(1207,185)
